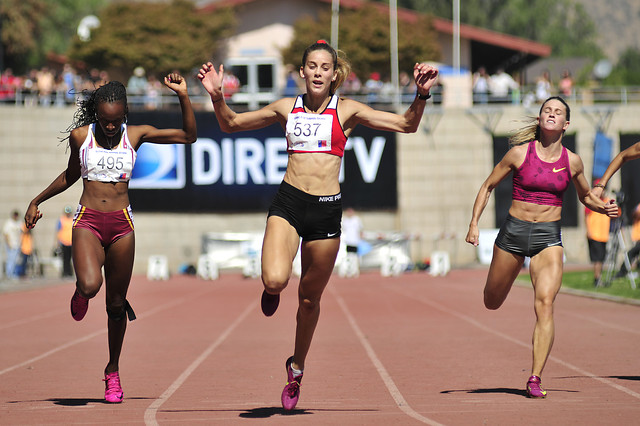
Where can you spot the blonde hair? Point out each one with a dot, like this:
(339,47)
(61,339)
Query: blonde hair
(527,133)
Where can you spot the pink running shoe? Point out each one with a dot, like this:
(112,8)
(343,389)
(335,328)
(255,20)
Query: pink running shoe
(534,390)
(112,389)
(291,391)
(79,306)
(269,303)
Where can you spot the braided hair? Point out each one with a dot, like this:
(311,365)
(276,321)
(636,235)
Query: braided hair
(87,112)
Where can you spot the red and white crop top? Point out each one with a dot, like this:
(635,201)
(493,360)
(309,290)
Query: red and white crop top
(107,165)
(315,132)
(538,182)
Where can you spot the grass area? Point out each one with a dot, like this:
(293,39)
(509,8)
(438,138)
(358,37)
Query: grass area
(583,280)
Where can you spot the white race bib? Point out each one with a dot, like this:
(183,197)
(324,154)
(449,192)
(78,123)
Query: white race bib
(309,132)
(109,166)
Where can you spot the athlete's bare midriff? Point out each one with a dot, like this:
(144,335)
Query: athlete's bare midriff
(105,196)
(314,173)
(534,212)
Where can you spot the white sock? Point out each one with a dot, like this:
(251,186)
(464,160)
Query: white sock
(295,372)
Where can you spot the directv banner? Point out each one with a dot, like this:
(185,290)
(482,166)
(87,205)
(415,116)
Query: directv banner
(241,172)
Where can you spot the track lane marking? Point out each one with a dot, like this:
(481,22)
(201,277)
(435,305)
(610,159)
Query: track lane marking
(488,329)
(384,374)
(150,412)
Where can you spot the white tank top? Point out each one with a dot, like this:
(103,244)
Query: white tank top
(104,165)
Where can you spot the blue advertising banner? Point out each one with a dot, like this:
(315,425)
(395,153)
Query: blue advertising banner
(241,172)
(602,146)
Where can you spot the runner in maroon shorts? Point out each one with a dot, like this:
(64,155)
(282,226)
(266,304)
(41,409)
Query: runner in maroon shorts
(102,154)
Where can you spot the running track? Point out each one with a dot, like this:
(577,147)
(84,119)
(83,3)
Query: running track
(408,350)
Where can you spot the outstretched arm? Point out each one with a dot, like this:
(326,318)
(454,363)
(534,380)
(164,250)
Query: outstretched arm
(425,77)
(228,119)
(631,153)
(60,184)
(188,133)
(585,194)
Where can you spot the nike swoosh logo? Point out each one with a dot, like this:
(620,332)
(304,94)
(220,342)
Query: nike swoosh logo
(558,170)
(332,235)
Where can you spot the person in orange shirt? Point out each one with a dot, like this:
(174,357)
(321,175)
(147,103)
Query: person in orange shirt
(598,226)
(26,250)
(63,236)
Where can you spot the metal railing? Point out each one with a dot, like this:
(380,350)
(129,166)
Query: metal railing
(581,96)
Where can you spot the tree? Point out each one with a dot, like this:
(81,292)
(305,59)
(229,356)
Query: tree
(364,36)
(31,29)
(627,70)
(567,28)
(20,30)
(157,36)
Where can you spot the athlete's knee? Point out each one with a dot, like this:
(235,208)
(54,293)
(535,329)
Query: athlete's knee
(116,312)
(492,300)
(308,305)
(274,281)
(88,288)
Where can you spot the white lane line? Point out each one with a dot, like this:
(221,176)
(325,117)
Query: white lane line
(481,326)
(150,413)
(384,374)
(33,318)
(99,332)
(602,323)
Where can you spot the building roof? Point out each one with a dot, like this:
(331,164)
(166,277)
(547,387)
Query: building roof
(490,49)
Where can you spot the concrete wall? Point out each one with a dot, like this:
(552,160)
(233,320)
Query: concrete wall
(440,169)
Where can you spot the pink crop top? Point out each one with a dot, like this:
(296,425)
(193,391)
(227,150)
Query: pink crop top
(315,132)
(538,182)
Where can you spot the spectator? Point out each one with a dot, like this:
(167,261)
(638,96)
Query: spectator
(543,86)
(30,88)
(69,79)
(502,84)
(45,84)
(64,230)
(12,233)
(351,236)
(291,88)
(373,86)
(597,236)
(153,97)
(9,84)
(481,84)
(26,250)
(137,84)
(566,84)
(230,84)
(352,84)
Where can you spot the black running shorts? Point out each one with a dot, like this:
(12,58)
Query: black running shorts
(315,217)
(524,238)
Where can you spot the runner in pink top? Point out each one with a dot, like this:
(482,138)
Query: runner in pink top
(539,182)
(541,168)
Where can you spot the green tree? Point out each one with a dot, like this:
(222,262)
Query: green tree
(567,28)
(31,29)
(627,70)
(20,30)
(364,36)
(161,37)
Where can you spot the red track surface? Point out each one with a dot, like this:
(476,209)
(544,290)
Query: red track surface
(407,350)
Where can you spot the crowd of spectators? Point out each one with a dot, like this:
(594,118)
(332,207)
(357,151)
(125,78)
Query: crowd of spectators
(48,87)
